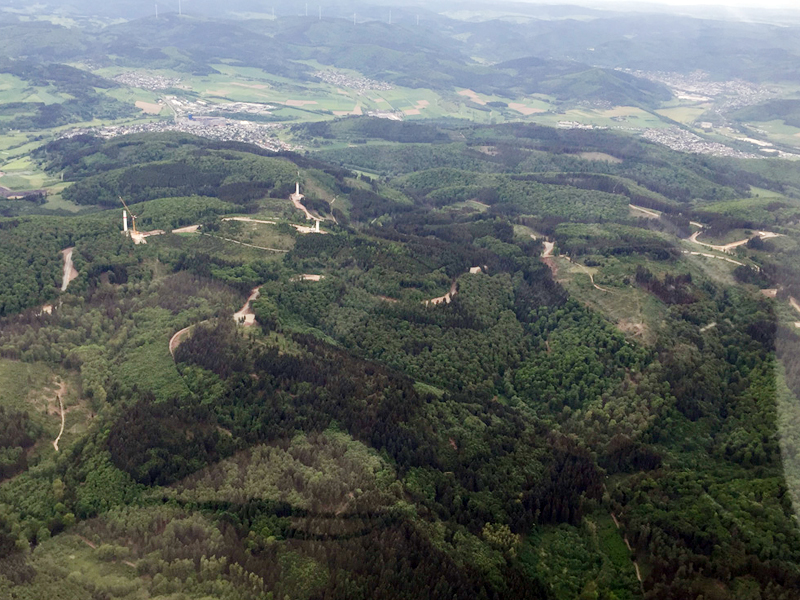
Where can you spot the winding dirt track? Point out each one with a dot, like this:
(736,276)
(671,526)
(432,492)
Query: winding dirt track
(63,417)
(728,247)
(176,339)
(548,249)
(589,273)
(447,298)
(730,260)
(245,315)
(300,206)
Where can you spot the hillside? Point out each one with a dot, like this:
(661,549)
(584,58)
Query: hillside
(456,302)
(423,406)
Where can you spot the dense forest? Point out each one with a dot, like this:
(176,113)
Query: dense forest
(426,406)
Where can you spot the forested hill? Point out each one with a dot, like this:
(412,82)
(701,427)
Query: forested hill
(516,362)
(438,62)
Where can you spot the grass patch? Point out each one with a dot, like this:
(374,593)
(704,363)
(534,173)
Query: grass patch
(683,114)
(56,202)
(257,234)
(611,543)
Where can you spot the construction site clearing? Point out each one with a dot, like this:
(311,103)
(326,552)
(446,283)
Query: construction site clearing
(140,237)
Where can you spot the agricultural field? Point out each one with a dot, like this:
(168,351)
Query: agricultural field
(687,115)
(619,117)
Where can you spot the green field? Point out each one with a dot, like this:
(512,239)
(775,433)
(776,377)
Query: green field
(620,116)
(323,101)
(24,174)
(684,114)
(14,89)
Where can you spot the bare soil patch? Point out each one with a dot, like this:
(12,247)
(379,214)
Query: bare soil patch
(249,220)
(447,298)
(187,229)
(472,96)
(245,315)
(151,108)
(525,110)
(635,328)
(70,272)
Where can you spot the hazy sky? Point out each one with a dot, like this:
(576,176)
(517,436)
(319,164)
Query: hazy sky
(793,4)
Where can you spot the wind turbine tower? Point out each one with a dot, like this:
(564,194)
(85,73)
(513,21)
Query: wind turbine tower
(320,13)
(180,10)
(156,11)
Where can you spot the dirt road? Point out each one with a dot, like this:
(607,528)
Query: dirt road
(187,229)
(730,260)
(446,298)
(765,235)
(300,206)
(795,304)
(589,273)
(176,339)
(548,249)
(628,544)
(245,315)
(648,212)
(61,391)
(70,272)
(245,244)
(249,220)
